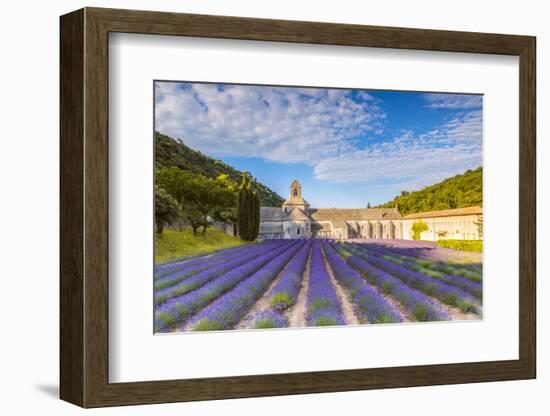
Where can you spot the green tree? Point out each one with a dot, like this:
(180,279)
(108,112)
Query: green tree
(255,215)
(243,206)
(418,228)
(173,152)
(248,210)
(199,197)
(167,209)
(228,212)
(459,191)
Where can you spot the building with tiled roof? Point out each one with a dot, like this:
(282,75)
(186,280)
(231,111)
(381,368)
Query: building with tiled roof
(447,224)
(296,219)
(446,213)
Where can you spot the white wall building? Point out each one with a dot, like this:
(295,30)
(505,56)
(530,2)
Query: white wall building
(448,224)
(296,219)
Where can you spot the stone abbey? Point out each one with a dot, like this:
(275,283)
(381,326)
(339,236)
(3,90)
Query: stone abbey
(297,219)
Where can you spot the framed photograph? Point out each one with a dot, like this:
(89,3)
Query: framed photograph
(255,207)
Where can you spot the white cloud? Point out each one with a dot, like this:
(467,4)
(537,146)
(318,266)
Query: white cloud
(278,124)
(410,161)
(453,101)
(322,128)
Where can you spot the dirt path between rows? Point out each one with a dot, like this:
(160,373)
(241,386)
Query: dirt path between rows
(189,323)
(395,303)
(343,297)
(296,315)
(456,313)
(262,303)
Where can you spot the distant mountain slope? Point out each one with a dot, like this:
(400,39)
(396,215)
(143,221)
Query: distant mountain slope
(172,152)
(460,191)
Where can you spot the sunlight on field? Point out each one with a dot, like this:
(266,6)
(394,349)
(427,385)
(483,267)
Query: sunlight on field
(282,283)
(174,244)
(463,245)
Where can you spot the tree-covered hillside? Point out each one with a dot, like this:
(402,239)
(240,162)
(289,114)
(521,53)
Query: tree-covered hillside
(460,191)
(170,152)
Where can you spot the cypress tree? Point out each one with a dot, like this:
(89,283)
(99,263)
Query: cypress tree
(250,214)
(241,212)
(248,211)
(256,217)
(249,203)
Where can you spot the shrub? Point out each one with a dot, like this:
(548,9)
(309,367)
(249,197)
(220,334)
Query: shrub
(418,228)
(463,245)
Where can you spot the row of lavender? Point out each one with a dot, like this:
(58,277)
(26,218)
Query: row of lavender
(209,285)
(191,276)
(416,306)
(226,311)
(435,269)
(415,257)
(284,294)
(449,290)
(222,290)
(169,267)
(369,305)
(323,306)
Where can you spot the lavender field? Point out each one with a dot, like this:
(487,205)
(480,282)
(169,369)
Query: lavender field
(306,283)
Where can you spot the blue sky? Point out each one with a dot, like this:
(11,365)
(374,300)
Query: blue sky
(346,147)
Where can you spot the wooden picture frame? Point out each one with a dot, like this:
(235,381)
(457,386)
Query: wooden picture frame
(84,207)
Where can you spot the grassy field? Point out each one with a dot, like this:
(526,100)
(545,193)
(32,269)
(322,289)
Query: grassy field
(173,244)
(463,245)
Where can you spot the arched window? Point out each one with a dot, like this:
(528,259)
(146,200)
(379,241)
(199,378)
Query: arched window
(295,192)
(298,231)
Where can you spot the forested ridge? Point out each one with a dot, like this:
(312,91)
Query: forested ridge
(170,152)
(459,191)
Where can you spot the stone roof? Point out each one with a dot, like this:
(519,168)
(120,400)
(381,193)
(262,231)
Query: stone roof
(295,200)
(321,226)
(271,214)
(339,216)
(446,213)
(297,214)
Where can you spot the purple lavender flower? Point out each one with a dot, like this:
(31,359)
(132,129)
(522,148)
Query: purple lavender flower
(468,285)
(268,319)
(180,308)
(285,292)
(323,306)
(179,275)
(199,279)
(437,258)
(471,272)
(325,316)
(228,310)
(180,264)
(206,262)
(369,305)
(419,306)
(447,294)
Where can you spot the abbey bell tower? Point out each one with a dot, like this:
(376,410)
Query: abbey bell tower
(295,199)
